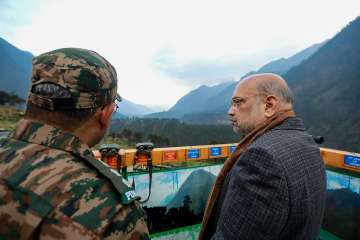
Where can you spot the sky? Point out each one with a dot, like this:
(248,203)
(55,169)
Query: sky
(163,49)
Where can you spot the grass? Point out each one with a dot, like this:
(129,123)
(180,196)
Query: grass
(123,143)
(9,117)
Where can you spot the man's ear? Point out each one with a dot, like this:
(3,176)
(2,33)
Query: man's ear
(271,105)
(105,115)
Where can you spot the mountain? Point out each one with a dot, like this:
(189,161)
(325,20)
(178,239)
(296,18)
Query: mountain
(193,101)
(131,109)
(15,69)
(158,108)
(209,104)
(197,186)
(283,65)
(197,98)
(326,88)
(118,115)
(206,118)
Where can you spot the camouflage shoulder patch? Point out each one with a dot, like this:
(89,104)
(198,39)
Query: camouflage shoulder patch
(127,193)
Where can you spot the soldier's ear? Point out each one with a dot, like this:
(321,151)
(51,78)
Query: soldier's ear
(105,115)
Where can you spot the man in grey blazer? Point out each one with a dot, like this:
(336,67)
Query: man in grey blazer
(276,187)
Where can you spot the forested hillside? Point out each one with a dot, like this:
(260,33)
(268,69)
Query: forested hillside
(326,88)
(171,132)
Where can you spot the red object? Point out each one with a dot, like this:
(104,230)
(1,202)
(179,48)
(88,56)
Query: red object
(142,159)
(112,161)
(170,155)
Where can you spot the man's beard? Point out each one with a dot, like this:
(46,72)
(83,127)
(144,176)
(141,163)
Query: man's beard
(243,129)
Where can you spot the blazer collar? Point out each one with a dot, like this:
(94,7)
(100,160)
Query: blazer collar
(292,123)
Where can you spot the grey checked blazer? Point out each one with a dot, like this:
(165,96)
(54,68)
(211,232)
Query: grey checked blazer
(276,189)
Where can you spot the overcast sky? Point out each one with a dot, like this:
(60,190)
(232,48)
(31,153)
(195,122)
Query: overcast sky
(163,49)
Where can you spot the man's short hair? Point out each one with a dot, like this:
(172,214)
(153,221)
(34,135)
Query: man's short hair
(280,90)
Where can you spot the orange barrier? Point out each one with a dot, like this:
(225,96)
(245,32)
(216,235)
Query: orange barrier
(341,159)
(162,156)
(112,161)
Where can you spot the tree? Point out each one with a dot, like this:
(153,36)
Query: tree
(127,133)
(187,202)
(137,137)
(10,99)
(159,141)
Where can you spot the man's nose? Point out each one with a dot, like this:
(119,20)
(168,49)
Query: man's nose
(231,111)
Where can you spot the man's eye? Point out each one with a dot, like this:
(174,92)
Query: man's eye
(238,100)
(236,103)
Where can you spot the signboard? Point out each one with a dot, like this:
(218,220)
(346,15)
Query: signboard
(232,149)
(215,151)
(352,161)
(193,153)
(170,155)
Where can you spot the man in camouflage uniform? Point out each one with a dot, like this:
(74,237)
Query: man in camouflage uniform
(51,185)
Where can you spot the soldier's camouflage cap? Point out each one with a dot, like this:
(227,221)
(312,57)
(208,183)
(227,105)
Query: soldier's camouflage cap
(89,78)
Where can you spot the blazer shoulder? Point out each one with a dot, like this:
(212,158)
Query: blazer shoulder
(276,140)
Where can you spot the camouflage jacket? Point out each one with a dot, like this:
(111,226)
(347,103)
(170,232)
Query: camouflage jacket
(50,189)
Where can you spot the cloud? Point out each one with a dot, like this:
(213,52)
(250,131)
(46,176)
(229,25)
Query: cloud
(335,185)
(211,71)
(207,72)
